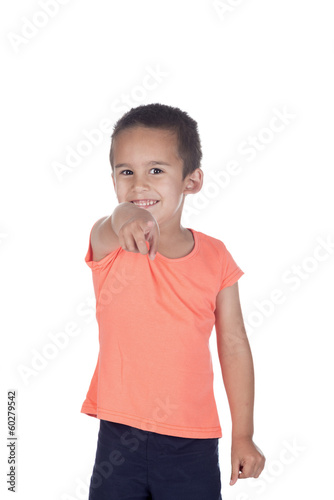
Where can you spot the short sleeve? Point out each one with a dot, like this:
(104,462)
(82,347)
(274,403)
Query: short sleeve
(101,264)
(230,272)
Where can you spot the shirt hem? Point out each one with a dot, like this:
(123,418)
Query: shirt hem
(151,425)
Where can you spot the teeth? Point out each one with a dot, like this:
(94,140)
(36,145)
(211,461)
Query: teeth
(140,203)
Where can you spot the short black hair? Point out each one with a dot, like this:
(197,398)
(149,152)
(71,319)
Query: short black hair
(165,117)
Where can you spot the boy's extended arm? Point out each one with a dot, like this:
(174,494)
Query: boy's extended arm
(238,375)
(140,225)
(104,238)
(122,213)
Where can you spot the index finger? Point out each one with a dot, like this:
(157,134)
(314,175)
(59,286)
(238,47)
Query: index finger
(152,237)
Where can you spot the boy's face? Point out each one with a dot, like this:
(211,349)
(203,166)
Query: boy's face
(147,167)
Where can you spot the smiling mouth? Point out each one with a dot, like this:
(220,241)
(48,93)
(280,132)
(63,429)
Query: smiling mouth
(145,203)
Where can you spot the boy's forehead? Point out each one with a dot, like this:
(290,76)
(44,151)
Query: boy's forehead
(150,134)
(145,141)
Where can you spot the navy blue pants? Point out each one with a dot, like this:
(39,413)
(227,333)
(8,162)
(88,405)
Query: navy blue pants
(132,464)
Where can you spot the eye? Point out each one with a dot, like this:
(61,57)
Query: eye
(154,168)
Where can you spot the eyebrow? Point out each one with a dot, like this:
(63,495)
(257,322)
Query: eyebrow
(148,163)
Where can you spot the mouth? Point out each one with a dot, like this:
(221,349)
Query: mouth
(145,203)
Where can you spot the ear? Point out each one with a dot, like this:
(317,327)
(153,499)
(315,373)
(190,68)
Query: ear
(194,182)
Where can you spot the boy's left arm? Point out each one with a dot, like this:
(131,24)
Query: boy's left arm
(238,375)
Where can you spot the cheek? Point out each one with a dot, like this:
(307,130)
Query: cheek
(167,186)
(120,190)
(120,184)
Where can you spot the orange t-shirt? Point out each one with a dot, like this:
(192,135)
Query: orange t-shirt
(154,368)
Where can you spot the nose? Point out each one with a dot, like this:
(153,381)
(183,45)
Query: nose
(140,183)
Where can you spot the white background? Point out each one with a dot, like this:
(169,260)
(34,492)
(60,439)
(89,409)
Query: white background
(230,71)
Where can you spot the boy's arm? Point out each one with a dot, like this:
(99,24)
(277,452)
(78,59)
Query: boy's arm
(235,360)
(238,375)
(105,237)
(122,213)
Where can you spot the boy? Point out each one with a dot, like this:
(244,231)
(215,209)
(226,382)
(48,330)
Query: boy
(159,290)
